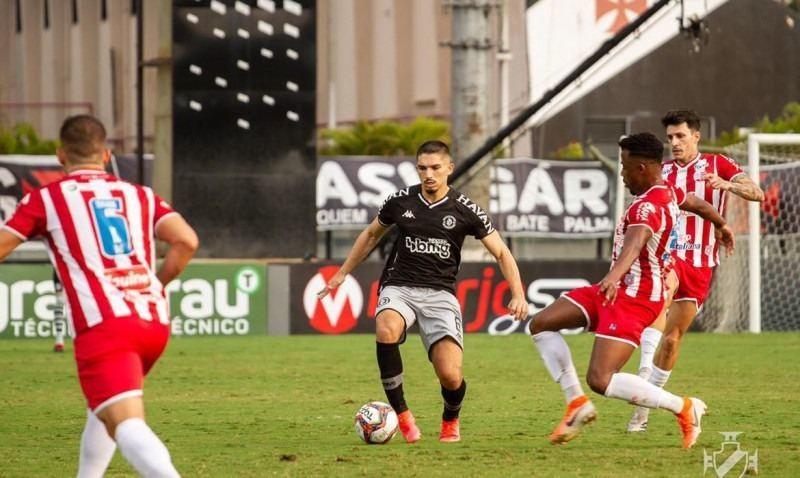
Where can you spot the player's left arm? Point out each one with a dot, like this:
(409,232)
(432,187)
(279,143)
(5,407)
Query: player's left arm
(636,238)
(740,185)
(8,242)
(708,212)
(518,306)
(728,176)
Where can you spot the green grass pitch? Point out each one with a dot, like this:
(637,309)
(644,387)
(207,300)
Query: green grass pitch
(269,406)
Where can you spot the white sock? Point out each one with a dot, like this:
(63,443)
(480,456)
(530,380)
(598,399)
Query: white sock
(97,449)
(558,361)
(649,343)
(143,450)
(639,391)
(659,377)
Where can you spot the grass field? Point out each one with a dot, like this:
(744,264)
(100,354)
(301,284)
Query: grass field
(266,406)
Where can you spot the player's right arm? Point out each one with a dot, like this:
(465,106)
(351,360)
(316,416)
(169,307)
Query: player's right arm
(28,221)
(708,212)
(364,244)
(8,242)
(183,243)
(636,238)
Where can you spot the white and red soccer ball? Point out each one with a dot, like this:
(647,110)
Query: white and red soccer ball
(376,423)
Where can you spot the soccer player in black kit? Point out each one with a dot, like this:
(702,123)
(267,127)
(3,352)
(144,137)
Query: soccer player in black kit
(418,281)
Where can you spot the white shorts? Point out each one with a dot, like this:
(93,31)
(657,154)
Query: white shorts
(437,312)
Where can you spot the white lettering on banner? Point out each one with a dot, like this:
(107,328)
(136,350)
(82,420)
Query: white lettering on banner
(333,217)
(12,300)
(587,224)
(502,191)
(372,176)
(576,196)
(374,181)
(539,189)
(540,296)
(527,222)
(202,300)
(190,327)
(332,183)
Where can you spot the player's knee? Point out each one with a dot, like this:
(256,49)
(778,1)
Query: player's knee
(598,380)
(672,340)
(387,332)
(536,324)
(451,380)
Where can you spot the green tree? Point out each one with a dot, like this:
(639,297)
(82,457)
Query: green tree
(383,138)
(787,122)
(23,139)
(573,150)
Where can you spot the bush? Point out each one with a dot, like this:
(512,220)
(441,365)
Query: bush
(383,138)
(23,139)
(787,122)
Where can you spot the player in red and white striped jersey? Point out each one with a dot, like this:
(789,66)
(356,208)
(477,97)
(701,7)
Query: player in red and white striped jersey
(100,232)
(709,177)
(628,299)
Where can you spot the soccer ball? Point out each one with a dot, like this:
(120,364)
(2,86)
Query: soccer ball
(376,423)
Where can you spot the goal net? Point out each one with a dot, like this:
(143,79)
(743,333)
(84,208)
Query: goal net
(757,288)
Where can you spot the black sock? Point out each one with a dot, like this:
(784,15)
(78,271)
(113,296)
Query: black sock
(391,366)
(452,401)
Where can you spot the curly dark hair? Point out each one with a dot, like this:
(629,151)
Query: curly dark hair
(644,145)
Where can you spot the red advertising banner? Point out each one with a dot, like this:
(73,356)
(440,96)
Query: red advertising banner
(480,289)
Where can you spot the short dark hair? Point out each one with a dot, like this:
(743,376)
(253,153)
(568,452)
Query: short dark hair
(677,117)
(433,147)
(643,145)
(82,136)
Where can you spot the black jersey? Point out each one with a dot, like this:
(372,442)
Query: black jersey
(427,252)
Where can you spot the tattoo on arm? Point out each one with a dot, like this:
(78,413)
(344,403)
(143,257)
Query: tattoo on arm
(745,188)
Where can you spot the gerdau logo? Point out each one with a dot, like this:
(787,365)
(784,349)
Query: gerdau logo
(205,306)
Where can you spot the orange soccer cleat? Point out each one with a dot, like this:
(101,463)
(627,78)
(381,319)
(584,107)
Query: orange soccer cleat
(408,427)
(580,412)
(450,431)
(689,420)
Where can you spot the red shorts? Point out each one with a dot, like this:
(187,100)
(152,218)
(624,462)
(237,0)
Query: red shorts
(114,356)
(623,320)
(693,282)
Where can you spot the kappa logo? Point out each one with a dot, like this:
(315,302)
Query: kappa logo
(730,458)
(337,312)
(408,214)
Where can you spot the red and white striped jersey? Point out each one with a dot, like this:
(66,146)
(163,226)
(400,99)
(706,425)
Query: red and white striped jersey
(99,231)
(695,242)
(656,209)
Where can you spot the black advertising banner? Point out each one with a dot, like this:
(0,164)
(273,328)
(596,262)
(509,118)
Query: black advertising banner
(21,174)
(534,197)
(480,289)
(528,197)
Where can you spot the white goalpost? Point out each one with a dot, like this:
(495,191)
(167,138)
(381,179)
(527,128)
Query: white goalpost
(756,289)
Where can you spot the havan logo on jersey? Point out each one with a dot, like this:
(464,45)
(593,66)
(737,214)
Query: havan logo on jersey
(438,247)
(487,223)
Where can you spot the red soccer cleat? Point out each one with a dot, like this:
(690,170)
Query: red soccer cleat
(689,420)
(450,432)
(58,348)
(408,427)
(580,412)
